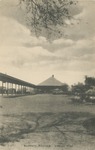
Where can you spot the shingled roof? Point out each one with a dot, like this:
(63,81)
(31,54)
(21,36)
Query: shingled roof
(52,81)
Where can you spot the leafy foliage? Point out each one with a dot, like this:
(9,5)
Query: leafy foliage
(90,81)
(47,17)
(79,88)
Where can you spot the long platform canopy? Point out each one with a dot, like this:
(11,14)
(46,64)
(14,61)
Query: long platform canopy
(10,79)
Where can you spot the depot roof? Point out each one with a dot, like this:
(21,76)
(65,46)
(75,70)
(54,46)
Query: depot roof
(51,81)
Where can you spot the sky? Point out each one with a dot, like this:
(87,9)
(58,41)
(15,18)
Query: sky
(33,59)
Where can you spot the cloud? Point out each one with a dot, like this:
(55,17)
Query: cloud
(13,33)
(76,18)
(81,15)
(70,58)
(63,41)
(22,50)
(18,47)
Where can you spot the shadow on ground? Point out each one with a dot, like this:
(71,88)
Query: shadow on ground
(16,127)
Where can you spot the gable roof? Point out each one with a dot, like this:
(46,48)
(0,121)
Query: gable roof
(52,81)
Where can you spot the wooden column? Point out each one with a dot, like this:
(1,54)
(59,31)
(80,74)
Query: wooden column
(18,89)
(15,88)
(2,88)
(12,88)
(21,89)
(7,88)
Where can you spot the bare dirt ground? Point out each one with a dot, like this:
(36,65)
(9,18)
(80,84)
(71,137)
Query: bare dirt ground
(46,122)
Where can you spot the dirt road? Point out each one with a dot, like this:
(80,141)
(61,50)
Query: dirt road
(46,122)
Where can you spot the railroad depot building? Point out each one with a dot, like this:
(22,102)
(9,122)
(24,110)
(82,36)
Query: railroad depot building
(14,86)
(51,85)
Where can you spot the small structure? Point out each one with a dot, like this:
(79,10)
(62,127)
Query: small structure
(50,85)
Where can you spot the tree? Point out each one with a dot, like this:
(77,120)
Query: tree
(65,87)
(89,81)
(78,88)
(47,17)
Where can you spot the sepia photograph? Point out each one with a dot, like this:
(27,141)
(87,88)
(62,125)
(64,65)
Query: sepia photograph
(47,74)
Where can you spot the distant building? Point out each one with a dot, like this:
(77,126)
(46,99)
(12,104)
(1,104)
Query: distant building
(51,85)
